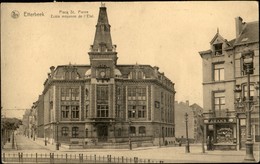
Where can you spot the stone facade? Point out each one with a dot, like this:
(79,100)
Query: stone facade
(107,103)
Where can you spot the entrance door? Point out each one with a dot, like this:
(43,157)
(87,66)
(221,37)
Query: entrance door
(102,132)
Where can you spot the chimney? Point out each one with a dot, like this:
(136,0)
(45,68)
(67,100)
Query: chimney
(187,102)
(52,70)
(239,25)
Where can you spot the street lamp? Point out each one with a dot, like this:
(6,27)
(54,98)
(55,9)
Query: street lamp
(45,140)
(129,135)
(57,141)
(201,125)
(248,60)
(187,150)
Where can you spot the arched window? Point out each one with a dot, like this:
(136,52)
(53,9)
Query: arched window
(142,130)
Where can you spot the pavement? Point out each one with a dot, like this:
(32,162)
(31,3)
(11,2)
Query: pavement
(165,153)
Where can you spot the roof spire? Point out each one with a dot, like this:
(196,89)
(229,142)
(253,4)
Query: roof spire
(103,4)
(102,41)
(217,30)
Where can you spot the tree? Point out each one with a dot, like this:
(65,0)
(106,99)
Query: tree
(9,125)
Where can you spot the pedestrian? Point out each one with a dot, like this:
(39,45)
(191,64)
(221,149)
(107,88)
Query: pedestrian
(208,143)
(212,143)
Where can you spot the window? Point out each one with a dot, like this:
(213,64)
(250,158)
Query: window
(51,104)
(86,93)
(74,94)
(64,131)
(252,91)
(245,57)
(65,111)
(162,97)
(119,132)
(75,132)
(218,49)
(102,101)
(102,93)
(69,94)
(132,130)
(63,94)
(141,111)
(86,111)
(142,130)
(218,71)
(139,75)
(86,132)
(131,111)
(102,110)
(74,111)
(219,103)
(136,74)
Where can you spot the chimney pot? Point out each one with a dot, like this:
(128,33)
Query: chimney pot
(239,25)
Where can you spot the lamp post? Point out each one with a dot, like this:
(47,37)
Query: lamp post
(129,134)
(57,136)
(248,60)
(187,150)
(201,125)
(45,140)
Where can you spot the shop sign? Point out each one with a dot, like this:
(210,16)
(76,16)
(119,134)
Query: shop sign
(220,120)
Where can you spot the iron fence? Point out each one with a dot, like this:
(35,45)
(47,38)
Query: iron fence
(68,158)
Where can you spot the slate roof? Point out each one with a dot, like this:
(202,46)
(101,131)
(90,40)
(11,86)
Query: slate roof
(124,69)
(249,34)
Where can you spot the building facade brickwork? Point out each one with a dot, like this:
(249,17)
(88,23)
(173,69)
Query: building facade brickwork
(105,102)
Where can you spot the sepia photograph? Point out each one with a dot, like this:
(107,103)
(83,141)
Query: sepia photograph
(130,82)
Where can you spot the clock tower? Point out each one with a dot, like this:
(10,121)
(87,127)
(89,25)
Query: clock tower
(103,55)
(103,60)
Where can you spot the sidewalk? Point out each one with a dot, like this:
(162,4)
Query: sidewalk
(51,147)
(8,145)
(168,154)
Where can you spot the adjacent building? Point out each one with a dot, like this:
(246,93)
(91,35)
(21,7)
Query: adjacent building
(193,122)
(106,103)
(223,70)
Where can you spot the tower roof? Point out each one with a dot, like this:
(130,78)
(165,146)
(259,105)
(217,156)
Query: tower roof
(102,37)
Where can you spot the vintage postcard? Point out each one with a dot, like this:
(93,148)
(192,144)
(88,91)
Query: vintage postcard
(130,82)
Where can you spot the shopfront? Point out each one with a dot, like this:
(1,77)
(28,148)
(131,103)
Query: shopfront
(221,133)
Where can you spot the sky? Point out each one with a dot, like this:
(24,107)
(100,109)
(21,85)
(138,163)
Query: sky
(164,34)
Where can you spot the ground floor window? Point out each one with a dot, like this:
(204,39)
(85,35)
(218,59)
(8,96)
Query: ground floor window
(64,131)
(142,130)
(132,130)
(75,132)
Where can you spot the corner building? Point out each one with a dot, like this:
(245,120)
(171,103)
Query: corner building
(224,69)
(106,104)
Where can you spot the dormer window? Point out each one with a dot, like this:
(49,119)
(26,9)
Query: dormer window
(136,74)
(218,49)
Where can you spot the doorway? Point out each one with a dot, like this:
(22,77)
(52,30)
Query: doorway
(102,133)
